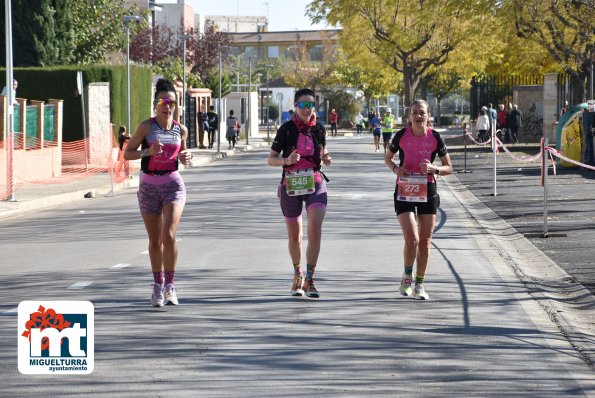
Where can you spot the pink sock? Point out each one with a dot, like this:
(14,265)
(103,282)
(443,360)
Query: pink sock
(169,277)
(158,277)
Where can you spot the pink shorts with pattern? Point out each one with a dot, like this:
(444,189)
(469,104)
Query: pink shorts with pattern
(154,192)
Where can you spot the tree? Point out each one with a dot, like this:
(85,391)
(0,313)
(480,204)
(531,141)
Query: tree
(345,104)
(211,81)
(374,81)
(410,36)
(442,83)
(172,68)
(298,70)
(203,50)
(154,45)
(98,29)
(41,32)
(565,29)
(64,39)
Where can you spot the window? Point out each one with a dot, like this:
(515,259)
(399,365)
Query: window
(273,51)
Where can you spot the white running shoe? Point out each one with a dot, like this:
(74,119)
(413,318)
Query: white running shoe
(170,295)
(298,283)
(419,292)
(405,286)
(157,296)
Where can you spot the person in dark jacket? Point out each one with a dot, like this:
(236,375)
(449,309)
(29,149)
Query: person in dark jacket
(516,122)
(203,125)
(213,120)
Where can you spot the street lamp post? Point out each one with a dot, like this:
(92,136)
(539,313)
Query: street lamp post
(153,8)
(249,113)
(183,107)
(268,104)
(219,109)
(127,20)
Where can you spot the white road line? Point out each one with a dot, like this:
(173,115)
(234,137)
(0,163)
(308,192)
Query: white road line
(120,265)
(79,285)
(11,311)
(145,252)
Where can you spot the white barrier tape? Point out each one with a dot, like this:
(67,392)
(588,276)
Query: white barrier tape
(557,154)
(488,142)
(450,137)
(553,161)
(524,158)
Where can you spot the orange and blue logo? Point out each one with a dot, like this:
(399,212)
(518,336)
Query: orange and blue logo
(56,337)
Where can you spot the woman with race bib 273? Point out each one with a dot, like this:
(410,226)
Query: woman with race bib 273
(416,198)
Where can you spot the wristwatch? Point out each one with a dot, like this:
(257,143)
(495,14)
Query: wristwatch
(437,171)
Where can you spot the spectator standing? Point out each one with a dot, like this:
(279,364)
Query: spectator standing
(123,138)
(203,125)
(15,84)
(502,118)
(213,120)
(492,115)
(359,120)
(333,118)
(516,119)
(482,125)
(233,129)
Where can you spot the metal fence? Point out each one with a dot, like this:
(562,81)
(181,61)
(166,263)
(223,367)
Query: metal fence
(496,90)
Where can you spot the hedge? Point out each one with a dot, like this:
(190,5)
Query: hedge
(60,83)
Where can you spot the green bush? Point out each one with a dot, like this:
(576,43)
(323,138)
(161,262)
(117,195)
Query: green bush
(273,112)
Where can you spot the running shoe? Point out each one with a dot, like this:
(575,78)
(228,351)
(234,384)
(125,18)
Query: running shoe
(419,292)
(296,288)
(170,295)
(405,287)
(310,290)
(157,296)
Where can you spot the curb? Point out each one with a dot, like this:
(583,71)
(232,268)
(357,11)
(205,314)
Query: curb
(567,303)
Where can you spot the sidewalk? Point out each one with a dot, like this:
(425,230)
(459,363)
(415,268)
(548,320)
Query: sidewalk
(32,197)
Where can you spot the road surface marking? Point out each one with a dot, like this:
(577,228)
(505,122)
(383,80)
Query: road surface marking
(79,285)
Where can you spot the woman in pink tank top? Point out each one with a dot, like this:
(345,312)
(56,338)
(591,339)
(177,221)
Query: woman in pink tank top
(161,194)
(416,198)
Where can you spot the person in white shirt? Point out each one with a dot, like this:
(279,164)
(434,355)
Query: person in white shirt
(359,120)
(482,124)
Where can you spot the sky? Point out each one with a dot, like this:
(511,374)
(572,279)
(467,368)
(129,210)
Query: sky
(283,14)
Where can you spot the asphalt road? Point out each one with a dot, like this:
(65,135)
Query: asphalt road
(237,332)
